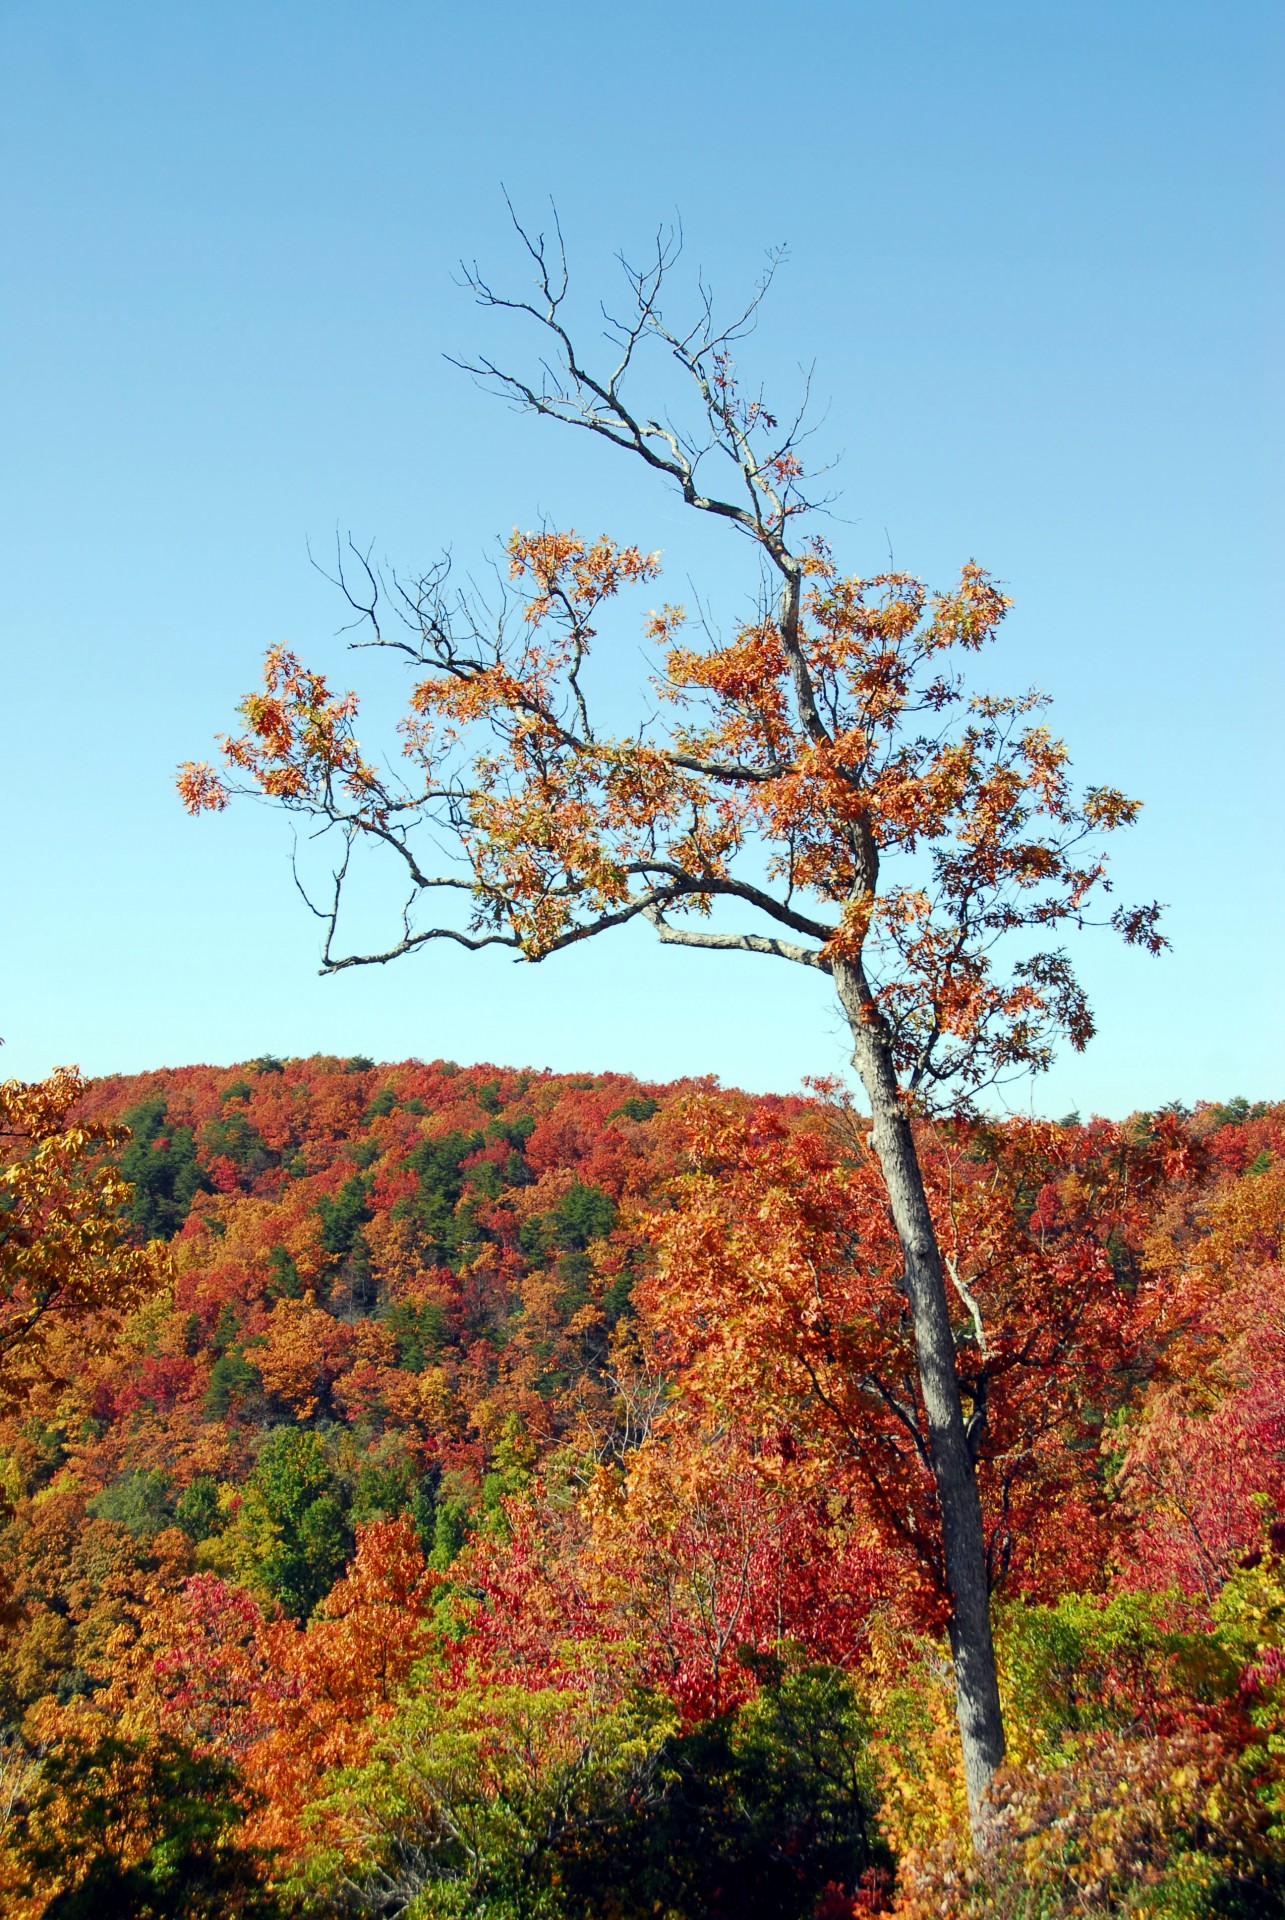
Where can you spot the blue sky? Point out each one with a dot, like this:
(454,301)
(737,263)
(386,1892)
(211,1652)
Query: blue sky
(1031,258)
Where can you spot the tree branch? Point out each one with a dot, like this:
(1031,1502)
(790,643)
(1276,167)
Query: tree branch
(734,942)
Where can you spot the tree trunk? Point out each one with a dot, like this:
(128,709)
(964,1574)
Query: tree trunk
(981,1729)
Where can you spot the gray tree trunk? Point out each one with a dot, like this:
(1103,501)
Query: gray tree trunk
(977,1704)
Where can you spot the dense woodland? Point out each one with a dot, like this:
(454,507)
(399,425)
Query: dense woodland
(444,1490)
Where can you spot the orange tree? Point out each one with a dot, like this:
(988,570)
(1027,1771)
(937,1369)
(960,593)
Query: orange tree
(818,788)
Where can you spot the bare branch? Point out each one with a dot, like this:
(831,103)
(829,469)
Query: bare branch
(975,1312)
(731,771)
(474,942)
(734,943)
(686,884)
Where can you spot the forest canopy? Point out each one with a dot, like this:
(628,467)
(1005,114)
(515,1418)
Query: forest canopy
(507,1496)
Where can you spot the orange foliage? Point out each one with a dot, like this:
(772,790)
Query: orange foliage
(332,1682)
(613,1378)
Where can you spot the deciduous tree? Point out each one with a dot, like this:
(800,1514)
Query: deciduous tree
(65,1255)
(818,787)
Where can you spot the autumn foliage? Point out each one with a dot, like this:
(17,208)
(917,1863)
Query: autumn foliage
(505,1493)
(63,1260)
(828,783)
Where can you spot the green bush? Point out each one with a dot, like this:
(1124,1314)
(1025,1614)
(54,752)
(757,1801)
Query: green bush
(564,1802)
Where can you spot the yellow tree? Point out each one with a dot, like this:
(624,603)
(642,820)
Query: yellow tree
(820,788)
(65,1254)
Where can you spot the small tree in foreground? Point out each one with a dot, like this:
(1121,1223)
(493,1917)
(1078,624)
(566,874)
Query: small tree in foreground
(818,788)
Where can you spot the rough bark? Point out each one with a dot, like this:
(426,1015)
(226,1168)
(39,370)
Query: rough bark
(977,1703)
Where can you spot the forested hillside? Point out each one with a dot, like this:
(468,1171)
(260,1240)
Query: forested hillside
(508,1494)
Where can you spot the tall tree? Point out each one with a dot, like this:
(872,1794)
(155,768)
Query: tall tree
(823,773)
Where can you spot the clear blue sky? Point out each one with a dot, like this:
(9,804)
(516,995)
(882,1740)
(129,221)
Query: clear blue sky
(1030,255)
